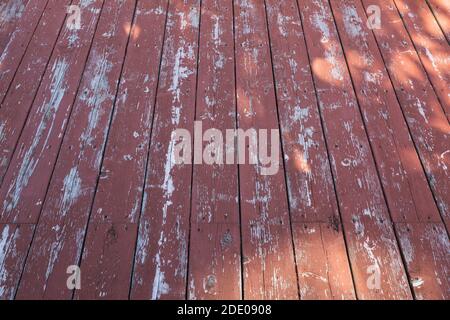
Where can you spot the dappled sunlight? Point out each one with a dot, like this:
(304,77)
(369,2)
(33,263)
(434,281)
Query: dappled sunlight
(428,26)
(127,27)
(406,68)
(441,10)
(364,144)
(322,70)
(356,59)
(300,162)
(136,32)
(439,122)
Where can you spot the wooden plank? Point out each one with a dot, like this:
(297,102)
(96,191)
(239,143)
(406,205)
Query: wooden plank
(369,234)
(10,13)
(323,266)
(431,45)
(19,99)
(215,248)
(160,270)
(310,185)
(175,98)
(426,249)
(119,191)
(12,54)
(407,192)
(14,242)
(429,127)
(26,182)
(27,178)
(107,261)
(268,257)
(61,228)
(311,192)
(440,9)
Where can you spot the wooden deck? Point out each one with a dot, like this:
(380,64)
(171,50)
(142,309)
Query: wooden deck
(360,208)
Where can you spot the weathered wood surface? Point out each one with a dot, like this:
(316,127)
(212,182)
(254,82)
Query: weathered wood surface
(440,9)
(370,237)
(26,182)
(268,254)
(11,12)
(161,260)
(431,45)
(111,239)
(21,92)
(428,125)
(408,195)
(215,245)
(14,50)
(61,228)
(310,186)
(359,205)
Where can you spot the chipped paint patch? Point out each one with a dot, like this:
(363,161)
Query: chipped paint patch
(352,22)
(71,189)
(30,159)
(10,11)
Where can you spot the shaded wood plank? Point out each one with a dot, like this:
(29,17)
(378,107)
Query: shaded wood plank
(16,47)
(14,242)
(26,181)
(431,45)
(426,248)
(107,261)
(19,99)
(61,228)
(371,241)
(119,192)
(268,257)
(429,127)
(407,193)
(323,265)
(215,248)
(160,270)
(311,192)
(310,185)
(441,11)
(10,13)
(27,178)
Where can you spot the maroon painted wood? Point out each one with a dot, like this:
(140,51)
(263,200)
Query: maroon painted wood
(440,9)
(429,127)
(408,195)
(431,45)
(426,247)
(371,240)
(26,181)
(358,207)
(61,228)
(311,192)
(14,50)
(268,254)
(11,12)
(323,266)
(18,100)
(161,258)
(215,245)
(113,225)
(14,242)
